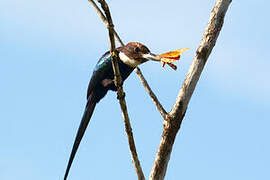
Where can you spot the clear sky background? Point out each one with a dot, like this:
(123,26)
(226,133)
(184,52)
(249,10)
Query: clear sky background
(47,53)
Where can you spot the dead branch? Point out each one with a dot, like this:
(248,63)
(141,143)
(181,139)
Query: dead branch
(175,117)
(120,92)
(103,18)
(151,94)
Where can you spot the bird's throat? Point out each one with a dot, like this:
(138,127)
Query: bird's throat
(128,61)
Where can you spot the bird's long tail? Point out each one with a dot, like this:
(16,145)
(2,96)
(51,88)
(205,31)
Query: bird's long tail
(91,103)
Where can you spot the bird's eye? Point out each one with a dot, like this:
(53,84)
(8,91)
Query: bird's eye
(136,49)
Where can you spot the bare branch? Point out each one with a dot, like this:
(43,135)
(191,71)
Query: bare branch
(177,114)
(120,92)
(152,95)
(103,18)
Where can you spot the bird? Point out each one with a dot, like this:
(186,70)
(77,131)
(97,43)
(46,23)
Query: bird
(129,57)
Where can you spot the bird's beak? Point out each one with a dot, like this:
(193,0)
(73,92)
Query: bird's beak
(151,56)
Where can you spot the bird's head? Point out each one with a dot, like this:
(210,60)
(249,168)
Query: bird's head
(135,53)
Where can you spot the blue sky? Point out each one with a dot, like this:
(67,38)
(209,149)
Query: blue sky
(49,48)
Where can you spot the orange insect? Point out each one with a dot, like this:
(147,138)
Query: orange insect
(170,57)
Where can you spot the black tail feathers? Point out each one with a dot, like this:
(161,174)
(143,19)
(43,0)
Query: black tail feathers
(89,109)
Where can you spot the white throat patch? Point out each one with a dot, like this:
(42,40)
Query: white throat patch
(125,59)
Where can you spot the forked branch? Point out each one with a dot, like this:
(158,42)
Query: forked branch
(173,120)
(177,114)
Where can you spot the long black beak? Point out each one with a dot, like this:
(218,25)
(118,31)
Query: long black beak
(151,56)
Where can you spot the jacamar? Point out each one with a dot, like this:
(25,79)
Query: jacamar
(102,80)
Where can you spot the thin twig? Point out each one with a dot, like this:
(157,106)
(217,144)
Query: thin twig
(177,114)
(137,70)
(152,95)
(103,18)
(120,92)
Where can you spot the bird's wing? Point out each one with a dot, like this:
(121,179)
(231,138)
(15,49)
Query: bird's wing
(99,73)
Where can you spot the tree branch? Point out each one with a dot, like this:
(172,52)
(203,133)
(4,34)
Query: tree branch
(152,95)
(103,18)
(137,70)
(120,92)
(177,113)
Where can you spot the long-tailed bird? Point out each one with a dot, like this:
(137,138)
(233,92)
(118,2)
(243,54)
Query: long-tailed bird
(129,57)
